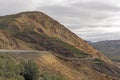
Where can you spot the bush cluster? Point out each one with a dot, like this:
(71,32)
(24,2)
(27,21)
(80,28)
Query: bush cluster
(26,70)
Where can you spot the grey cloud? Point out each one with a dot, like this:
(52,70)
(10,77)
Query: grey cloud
(98,6)
(75,14)
(13,6)
(101,37)
(87,11)
(98,33)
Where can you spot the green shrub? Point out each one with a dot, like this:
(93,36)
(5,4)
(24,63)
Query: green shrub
(9,70)
(30,70)
(25,70)
(98,61)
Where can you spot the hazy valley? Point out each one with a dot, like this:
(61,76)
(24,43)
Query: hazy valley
(110,48)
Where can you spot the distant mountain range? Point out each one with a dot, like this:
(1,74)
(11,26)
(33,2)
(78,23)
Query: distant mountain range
(110,48)
(53,47)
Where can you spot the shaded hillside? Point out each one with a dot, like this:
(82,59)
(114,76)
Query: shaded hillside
(109,48)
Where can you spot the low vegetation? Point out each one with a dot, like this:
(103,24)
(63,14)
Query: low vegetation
(52,76)
(98,61)
(43,42)
(9,70)
(27,70)
(30,70)
(3,25)
(24,70)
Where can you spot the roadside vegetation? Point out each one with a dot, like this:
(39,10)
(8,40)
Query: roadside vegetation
(98,61)
(24,70)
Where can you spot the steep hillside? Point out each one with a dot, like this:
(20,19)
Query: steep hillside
(71,56)
(29,30)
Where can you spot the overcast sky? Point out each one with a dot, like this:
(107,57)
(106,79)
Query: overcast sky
(92,20)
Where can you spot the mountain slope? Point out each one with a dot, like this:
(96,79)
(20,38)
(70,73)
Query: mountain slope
(43,25)
(37,31)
